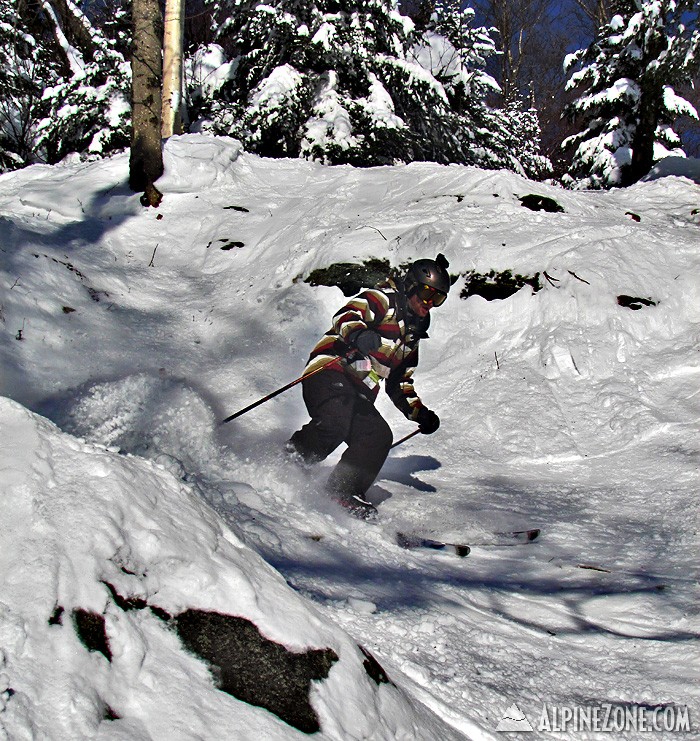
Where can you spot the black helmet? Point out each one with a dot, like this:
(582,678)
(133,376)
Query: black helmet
(426,272)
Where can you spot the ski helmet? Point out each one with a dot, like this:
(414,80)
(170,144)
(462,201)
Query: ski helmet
(428,272)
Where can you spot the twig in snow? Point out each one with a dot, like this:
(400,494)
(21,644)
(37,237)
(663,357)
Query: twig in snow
(150,264)
(550,279)
(571,272)
(574,362)
(375,229)
(591,567)
(498,365)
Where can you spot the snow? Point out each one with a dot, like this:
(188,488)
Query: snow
(680,166)
(331,121)
(129,333)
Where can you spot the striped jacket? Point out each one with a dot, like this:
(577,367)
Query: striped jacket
(382,309)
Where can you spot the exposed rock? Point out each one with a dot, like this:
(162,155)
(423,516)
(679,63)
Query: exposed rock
(255,669)
(350,277)
(540,203)
(633,302)
(495,286)
(90,628)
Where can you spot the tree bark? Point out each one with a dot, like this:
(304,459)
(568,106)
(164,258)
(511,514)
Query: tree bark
(172,67)
(146,160)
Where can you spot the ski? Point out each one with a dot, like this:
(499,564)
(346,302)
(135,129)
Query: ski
(512,537)
(406,540)
(518,536)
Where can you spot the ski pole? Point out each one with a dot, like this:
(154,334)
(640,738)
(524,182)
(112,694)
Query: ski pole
(279,391)
(403,439)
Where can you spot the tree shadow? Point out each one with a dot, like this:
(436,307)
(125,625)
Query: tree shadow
(337,570)
(403,471)
(73,235)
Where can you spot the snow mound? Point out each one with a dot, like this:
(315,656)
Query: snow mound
(212,162)
(685,167)
(86,530)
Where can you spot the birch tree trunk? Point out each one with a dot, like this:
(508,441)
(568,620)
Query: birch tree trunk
(146,160)
(172,67)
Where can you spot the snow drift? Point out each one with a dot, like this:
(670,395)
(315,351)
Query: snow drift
(87,530)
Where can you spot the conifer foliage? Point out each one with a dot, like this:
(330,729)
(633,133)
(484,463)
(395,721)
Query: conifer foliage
(63,81)
(23,66)
(320,79)
(628,102)
(457,53)
(354,82)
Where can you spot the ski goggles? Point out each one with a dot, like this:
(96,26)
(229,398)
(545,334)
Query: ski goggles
(430,295)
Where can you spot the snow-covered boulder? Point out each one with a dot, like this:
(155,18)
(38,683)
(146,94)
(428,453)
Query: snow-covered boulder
(111,565)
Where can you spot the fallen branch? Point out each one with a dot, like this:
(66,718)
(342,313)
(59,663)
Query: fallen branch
(367,226)
(151,264)
(571,272)
(591,567)
(550,279)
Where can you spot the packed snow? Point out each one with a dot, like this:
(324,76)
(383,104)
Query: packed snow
(129,333)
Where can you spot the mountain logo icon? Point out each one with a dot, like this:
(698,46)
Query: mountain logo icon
(514,720)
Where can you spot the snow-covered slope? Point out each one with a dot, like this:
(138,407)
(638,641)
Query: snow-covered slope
(88,530)
(139,329)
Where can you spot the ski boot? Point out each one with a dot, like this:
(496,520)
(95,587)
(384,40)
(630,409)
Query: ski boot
(358,507)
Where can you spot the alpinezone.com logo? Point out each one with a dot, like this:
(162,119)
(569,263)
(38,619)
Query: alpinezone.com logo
(603,718)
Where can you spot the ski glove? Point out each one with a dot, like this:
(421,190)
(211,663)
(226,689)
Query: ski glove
(427,421)
(366,341)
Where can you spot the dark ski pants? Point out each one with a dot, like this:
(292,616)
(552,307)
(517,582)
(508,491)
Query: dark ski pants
(340,413)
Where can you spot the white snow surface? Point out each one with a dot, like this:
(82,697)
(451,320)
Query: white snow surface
(129,333)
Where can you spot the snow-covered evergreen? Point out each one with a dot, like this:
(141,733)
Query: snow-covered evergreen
(356,84)
(456,54)
(23,66)
(89,106)
(628,101)
(64,82)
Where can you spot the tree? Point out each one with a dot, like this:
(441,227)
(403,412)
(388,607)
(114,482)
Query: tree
(353,83)
(146,159)
(174,28)
(457,53)
(318,79)
(63,81)
(88,107)
(20,88)
(519,25)
(628,102)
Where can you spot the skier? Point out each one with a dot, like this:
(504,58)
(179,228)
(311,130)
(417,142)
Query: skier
(374,338)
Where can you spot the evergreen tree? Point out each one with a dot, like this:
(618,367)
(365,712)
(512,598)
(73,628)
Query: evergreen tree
(353,82)
(63,82)
(318,79)
(628,103)
(457,55)
(89,103)
(25,68)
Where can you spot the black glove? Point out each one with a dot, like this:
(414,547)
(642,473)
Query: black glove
(366,341)
(427,421)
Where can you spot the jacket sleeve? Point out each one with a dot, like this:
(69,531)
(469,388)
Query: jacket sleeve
(364,311)
(399,387)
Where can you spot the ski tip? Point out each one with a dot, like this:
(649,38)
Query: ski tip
(417,541)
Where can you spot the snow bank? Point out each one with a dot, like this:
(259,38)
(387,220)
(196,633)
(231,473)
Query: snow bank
(81,524)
